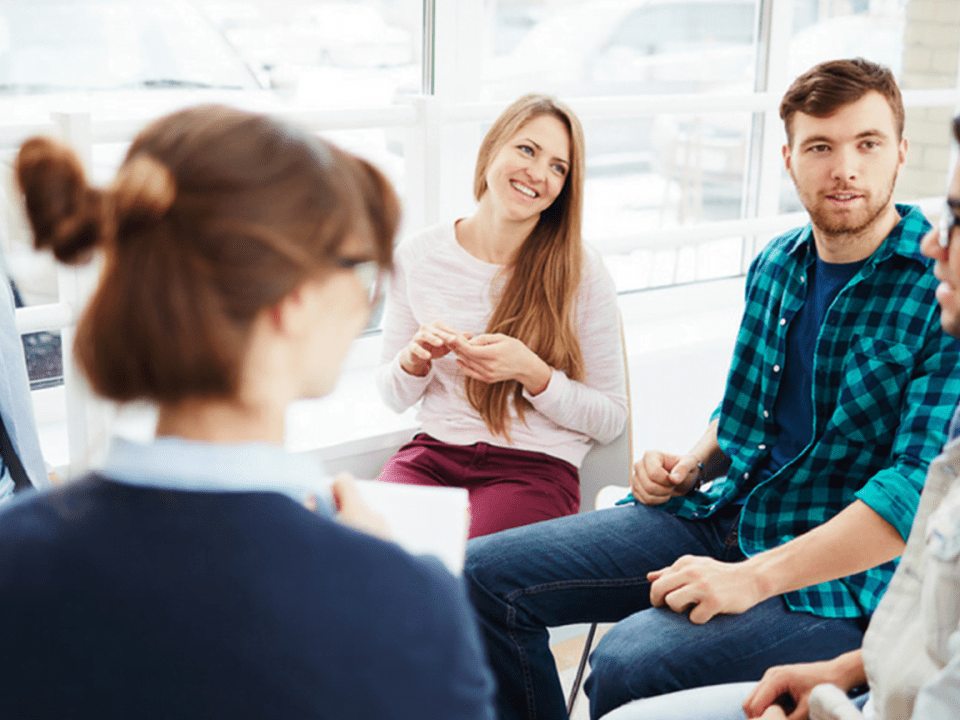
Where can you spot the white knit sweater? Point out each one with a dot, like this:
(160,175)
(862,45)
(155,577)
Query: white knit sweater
(436,279)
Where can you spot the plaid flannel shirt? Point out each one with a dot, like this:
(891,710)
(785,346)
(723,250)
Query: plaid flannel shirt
(886,382)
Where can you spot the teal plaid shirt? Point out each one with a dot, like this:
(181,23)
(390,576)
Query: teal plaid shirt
(886,382)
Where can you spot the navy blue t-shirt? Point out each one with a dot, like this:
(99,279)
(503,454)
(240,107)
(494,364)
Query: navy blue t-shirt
(793,408)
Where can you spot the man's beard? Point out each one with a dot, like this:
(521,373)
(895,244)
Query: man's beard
(851,225)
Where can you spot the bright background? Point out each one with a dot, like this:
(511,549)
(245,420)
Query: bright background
(679,100)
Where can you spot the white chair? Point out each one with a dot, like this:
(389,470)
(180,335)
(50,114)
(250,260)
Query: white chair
(613,462)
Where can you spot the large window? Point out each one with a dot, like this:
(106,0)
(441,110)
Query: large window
(678,98)
(663,170)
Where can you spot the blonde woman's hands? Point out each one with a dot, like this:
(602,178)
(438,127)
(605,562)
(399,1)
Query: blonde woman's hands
(496,357)
(430,342)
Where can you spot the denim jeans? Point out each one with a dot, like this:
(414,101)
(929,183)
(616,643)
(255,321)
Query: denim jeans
(593,567)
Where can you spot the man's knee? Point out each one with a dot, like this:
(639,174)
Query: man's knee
(627,664)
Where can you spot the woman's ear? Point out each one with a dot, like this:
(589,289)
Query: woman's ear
(286,315)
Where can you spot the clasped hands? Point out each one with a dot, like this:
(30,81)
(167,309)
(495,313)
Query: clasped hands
(706,587)
(490,357)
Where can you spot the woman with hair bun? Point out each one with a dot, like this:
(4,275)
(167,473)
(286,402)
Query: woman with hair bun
(507,328)
(186,578)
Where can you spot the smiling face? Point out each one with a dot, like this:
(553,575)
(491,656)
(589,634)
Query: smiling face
(528,172)
(845,166)
(947,267)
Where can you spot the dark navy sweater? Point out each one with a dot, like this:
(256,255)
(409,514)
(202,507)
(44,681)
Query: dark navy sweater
(128,602)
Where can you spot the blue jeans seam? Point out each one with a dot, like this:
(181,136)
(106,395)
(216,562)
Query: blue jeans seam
(564,584)
(524,662)
(786,638)
(512,614)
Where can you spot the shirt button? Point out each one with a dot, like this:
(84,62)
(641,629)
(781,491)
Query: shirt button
(783,321)
(746,476)
(776,368)
(761,446)
(766,414)
(802,279)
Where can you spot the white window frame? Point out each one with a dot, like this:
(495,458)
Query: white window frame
(442,132)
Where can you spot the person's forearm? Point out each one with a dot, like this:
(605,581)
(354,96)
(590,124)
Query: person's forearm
(855,540)
(535,375)
(412,365)
(398,389)
(707,451)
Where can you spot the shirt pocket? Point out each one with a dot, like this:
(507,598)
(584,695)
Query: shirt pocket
(873,379)
(940,599)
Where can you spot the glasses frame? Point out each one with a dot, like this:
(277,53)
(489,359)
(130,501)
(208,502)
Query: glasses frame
(368,273)
(949,221)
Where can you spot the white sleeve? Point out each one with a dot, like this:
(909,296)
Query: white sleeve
(828,702)
(940,696)
(596,407)
(398,388)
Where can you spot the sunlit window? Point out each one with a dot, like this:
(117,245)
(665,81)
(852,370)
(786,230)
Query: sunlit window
(678,99)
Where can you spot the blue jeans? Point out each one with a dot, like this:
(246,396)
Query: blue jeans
(593,567)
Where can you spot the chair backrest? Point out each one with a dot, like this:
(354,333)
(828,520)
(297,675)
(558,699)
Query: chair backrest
(609,464)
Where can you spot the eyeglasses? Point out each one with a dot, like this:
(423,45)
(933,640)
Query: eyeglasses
(949,222)
(369,274)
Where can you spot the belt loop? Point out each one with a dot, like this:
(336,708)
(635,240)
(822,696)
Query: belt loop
(480,453)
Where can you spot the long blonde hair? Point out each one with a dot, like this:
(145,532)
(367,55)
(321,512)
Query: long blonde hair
(537,304)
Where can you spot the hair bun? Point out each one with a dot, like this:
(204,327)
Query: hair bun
(143,192)
(66,214)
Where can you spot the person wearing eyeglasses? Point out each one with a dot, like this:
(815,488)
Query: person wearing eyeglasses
(187,577)
(772,539)
(909,665)
(505,328)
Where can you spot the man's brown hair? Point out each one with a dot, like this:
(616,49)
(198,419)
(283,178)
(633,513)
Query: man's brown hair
(826,87)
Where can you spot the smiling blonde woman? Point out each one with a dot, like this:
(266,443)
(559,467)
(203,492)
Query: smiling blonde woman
(507,328)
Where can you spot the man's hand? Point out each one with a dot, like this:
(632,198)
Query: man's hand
(789,686)
(659,476)
(706,586)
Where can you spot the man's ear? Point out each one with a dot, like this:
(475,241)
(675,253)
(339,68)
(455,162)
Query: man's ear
(904,146)
(786,156)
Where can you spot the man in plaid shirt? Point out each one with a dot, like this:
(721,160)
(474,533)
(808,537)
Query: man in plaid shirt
(773,538)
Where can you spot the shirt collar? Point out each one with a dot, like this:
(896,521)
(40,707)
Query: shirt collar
(172,463)
(903,240)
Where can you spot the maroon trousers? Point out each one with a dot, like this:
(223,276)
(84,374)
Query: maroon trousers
(507,487)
